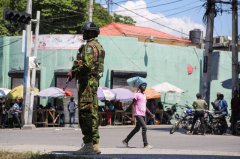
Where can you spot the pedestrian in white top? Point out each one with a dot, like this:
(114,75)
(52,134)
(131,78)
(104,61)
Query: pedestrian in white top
(72,111)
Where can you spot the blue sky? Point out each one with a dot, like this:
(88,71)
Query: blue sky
(176,17)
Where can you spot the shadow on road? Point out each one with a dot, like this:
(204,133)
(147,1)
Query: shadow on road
(71,155)
(180,130)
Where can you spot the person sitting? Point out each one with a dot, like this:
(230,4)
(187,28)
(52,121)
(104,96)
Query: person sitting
(216,103)
(199,105)
(109,108)
(15,111)
(223,111)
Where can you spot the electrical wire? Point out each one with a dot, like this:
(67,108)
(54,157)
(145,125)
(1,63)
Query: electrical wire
(172,9)
(184,11)
(56,18)
(11,43)
(150,6)
(123,1)
(152,20)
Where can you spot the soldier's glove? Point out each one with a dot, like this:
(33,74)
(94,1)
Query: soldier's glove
(77,63)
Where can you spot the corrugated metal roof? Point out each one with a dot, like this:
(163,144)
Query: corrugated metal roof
(119,29)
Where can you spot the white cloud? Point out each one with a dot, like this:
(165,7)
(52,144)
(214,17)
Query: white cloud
(184,24)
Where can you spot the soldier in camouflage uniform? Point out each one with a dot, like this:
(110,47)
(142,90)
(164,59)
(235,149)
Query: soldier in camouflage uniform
(88,69)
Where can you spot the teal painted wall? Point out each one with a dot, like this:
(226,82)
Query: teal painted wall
(163,63)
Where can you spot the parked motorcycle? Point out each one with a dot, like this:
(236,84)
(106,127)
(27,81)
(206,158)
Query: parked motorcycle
(237,127)
(216,123)
(184,121)
(168,115)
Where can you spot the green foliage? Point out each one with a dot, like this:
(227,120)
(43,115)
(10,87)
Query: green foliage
(123,19)
(58,16)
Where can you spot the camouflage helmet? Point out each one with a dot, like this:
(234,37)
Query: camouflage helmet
(90,26)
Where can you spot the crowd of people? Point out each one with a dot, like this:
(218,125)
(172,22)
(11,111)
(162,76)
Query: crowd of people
(220,107)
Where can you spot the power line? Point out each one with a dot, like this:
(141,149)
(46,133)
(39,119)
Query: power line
(179,7)
(11,43)
(55,18)
(123,1)
(183,11)
(151,6)
(151,20)
(175,13)
(172,9)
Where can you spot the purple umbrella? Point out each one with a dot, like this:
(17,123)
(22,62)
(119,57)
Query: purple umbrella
(123,94)
(104,93)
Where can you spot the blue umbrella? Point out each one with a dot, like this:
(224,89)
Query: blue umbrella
(136,81)
(4,92)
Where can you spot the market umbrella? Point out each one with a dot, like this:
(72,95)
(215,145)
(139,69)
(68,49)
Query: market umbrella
(4,91)
(136,81)
(166,87)
(104,93)
(53,92)
(151,93)
(123,94)
(68,93)
(17,92)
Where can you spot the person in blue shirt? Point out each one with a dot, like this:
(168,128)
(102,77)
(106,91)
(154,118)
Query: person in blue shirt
(15,112)
(223,106)
(223,111)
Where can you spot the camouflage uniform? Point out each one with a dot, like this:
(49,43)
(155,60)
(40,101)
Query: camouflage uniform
(88,69)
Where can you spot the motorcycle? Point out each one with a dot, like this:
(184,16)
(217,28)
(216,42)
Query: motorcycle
(237,127)
(168,114)
(216,123)
(184,121)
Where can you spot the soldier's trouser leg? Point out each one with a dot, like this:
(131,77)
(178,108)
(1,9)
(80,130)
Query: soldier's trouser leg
(95,131)
(85,122)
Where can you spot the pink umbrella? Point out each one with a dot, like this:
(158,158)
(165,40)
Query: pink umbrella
(104,93)
(123,94)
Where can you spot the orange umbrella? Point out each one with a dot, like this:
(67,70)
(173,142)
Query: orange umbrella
(68,93)
(151,93)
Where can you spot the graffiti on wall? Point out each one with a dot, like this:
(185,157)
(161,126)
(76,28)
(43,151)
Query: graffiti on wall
(61,42)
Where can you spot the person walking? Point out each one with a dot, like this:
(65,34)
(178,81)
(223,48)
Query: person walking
(88,69)
(199,105)
(72,111)
(139,111)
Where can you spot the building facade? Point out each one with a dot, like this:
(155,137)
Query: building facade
(125,57)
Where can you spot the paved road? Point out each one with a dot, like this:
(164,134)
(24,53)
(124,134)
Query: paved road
(177,145)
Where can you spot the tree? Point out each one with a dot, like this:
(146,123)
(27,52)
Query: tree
(123,19)
(58,16)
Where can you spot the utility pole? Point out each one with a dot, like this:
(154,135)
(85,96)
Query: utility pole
(33,78)
(235,66)
(109,6)
(90,11)
(207,66)
(27,54)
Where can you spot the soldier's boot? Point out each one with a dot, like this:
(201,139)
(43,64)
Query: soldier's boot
(87,149)
(96,148)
